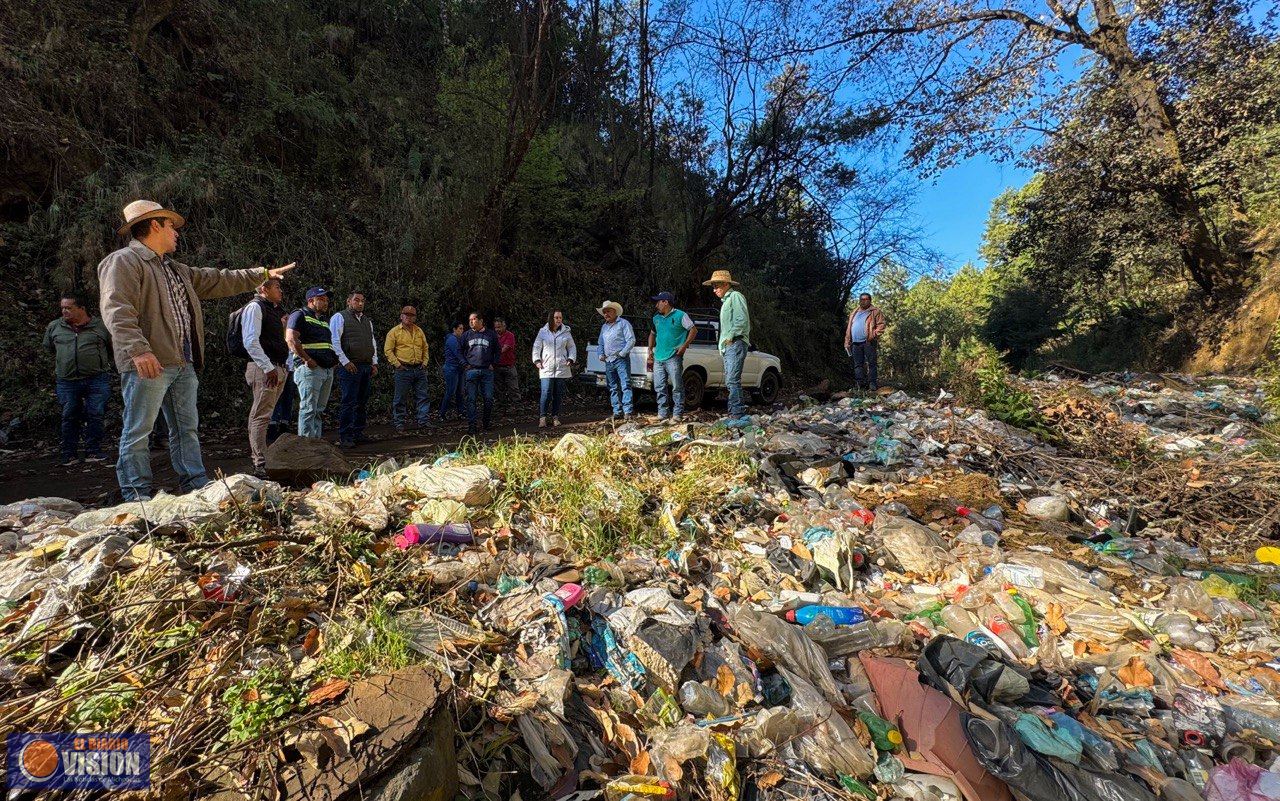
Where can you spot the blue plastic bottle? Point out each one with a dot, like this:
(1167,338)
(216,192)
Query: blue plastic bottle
(840,615)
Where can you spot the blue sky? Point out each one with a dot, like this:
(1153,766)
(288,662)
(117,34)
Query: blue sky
(953,205)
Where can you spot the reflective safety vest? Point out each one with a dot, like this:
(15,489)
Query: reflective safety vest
(316,340)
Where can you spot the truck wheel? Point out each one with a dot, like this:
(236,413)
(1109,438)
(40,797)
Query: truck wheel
(770,384)
(695,388)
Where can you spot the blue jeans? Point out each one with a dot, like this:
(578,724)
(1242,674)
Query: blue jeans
(353,414)
(174,392)
(314,386)
(668,385)
(454,378)
(864,353)
(735,355)
(617,374)
(552,394)
(410,383)
(84,401)
(479,381)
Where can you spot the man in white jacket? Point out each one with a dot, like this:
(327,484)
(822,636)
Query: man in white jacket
(553,354)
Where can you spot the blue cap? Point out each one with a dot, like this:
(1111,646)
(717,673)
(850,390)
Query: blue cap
(667,296)
(317,292)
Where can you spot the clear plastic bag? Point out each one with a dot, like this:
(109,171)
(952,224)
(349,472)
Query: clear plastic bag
(829,745)
(787,646)
(917,548)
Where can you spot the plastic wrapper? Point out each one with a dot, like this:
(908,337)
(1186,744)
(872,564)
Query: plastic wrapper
(1185,595)
(1038,778)
(787,646)
(671,748)
(722,769)
(828,744)
(1240,781)
(1099,623)
(917,548)
(763,733)
(1059,574)
(848,640)
(1057,741)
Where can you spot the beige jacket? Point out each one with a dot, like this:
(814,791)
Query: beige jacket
(133,306)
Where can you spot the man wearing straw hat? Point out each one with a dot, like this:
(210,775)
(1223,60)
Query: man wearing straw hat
(617,338)
(151,305)
(735,337)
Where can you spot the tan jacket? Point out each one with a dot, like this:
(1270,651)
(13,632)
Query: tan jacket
(875,326)
(133,305)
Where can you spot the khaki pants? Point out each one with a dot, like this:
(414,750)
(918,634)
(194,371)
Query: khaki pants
(264,402)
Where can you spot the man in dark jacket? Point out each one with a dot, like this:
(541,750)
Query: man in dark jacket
(455,373)
(480,352)
(81,348)
(357,350)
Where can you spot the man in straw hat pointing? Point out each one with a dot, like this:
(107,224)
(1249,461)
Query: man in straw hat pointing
(617,338)
(151,305)
(735,336)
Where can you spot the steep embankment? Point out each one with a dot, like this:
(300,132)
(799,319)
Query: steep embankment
(1243,345)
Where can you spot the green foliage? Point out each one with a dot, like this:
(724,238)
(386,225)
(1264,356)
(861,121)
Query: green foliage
(376,644)
(93,706)
(255,703)
(982,378)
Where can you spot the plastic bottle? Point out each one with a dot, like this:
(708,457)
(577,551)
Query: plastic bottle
(981,520)
(1196,765)
(883,733)
(1182,631)
(958,619)
(701,701)
(852,785)
(430,533)
(1020,616)
(840,615)
(1028,576)
(1000,627)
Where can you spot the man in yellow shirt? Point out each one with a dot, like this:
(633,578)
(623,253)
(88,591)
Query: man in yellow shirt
(406,351)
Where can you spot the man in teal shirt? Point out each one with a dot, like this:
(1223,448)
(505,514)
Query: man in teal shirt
(735,336)
(668,339)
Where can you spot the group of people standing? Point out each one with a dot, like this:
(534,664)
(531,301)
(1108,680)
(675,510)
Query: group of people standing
(151,331)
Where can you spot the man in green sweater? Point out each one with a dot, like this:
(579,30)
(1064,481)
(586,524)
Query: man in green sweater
(735,337)
(81,349)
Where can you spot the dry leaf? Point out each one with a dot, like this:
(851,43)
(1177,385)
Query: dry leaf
(672,770)
(801,551)
(1079,648)
(1200,665)
(1056,621)
(363,573)
(1135,674)
(640,764)
(327,692)
(311,643)
(769,779)
(724,680)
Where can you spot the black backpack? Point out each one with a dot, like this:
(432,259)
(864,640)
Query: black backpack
(235,333)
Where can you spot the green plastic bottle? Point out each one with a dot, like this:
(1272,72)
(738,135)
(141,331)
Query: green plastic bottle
(1028,626)
(883,733)
(854,786)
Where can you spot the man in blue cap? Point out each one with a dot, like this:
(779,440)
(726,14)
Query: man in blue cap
(669,338)
(310,340)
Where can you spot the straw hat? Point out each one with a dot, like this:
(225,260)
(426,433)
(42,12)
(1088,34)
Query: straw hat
(610,304)
(140,210)
(720,277)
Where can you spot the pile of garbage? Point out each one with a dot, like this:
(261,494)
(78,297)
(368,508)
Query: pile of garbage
(870,598)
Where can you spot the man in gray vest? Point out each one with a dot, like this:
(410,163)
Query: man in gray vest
(357,350)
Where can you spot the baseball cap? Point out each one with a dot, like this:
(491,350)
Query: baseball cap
(667,296)
(317,292)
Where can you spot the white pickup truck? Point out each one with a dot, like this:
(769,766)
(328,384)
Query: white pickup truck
(703,365)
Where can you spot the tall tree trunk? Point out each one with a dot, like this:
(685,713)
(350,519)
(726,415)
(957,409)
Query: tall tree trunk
(1210,267)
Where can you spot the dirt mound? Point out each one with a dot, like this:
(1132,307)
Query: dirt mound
(1243,345)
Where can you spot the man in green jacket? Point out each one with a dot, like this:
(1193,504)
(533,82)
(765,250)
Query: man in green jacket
(151,305)
(81,349)
(735,338)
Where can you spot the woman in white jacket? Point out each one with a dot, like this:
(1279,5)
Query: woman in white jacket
(554,354)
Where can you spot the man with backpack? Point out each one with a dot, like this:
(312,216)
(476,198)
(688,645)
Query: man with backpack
(255,333)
